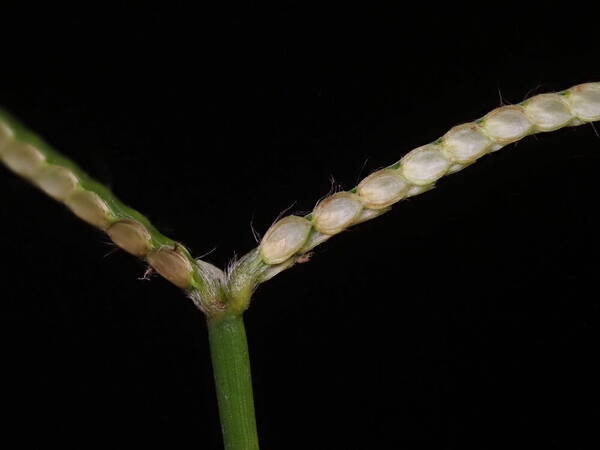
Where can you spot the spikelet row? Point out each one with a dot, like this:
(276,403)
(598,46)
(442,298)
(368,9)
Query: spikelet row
(419,170)
(30,158)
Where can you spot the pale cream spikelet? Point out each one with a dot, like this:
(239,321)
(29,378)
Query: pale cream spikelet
(88,206)
(464,144)
(382,189)
(284,239)
(6,135)
(548,112)
(172,265)
(56,181)
(336,212)
(584,100)
(131,236)
(23,159)
(425,165)
(507,124)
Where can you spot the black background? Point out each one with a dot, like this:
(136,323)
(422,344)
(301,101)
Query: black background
(468,317)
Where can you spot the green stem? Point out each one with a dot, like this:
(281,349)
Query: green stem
(231,366)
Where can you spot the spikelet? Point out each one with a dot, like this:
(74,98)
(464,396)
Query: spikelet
(382,188)
(23,159)
(337,212)
(585,101)
(89,207)
(58,182)
(284,239)
(131,236)
(173,265)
